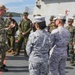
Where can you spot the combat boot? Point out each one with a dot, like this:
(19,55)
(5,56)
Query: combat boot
(9,50)
(12,52)
(3,69)
(16,54)
(4,65)
(73,64)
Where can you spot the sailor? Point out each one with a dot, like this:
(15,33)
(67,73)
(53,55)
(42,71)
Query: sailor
(60,38)
(2,42)
(37,48)
(24,29)
(51,25)
(10,22)
(71,48)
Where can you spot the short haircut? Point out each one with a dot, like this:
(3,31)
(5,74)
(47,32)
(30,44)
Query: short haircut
(42,25)
(63,20)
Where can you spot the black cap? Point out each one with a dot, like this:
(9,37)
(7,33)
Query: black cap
(9,14)
(25,13)
(70,20)
(52,17)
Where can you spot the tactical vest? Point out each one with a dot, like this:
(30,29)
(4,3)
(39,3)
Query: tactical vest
(7,23)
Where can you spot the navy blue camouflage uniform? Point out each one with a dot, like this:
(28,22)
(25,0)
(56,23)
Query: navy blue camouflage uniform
(60,38)
(37,48)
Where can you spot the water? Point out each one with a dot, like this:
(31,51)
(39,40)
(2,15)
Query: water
(16,18)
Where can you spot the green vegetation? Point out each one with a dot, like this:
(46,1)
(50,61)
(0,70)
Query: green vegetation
(14,14)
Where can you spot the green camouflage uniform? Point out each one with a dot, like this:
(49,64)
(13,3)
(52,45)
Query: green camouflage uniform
(11,33)
(2,42)
(71,40)
(24,26)
(51,27)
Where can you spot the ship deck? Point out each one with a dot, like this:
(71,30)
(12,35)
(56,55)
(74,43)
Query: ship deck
(18,65)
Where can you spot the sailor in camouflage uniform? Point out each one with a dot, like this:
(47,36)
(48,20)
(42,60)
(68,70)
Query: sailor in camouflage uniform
(2,39)
(60,38)
(52,25)
(24,29)
(37,48)
(11,32)
(71,29)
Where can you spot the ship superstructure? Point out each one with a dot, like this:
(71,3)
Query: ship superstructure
(53,7)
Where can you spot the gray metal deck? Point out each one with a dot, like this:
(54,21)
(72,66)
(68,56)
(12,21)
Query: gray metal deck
(18,65)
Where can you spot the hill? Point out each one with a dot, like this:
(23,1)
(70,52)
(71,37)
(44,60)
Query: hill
(14,14)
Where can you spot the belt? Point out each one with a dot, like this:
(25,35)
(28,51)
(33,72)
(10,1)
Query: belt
(61,46)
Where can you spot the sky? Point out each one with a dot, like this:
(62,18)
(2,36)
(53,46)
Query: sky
(18,6)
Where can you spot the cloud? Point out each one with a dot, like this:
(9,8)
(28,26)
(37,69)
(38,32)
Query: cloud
(9,1)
